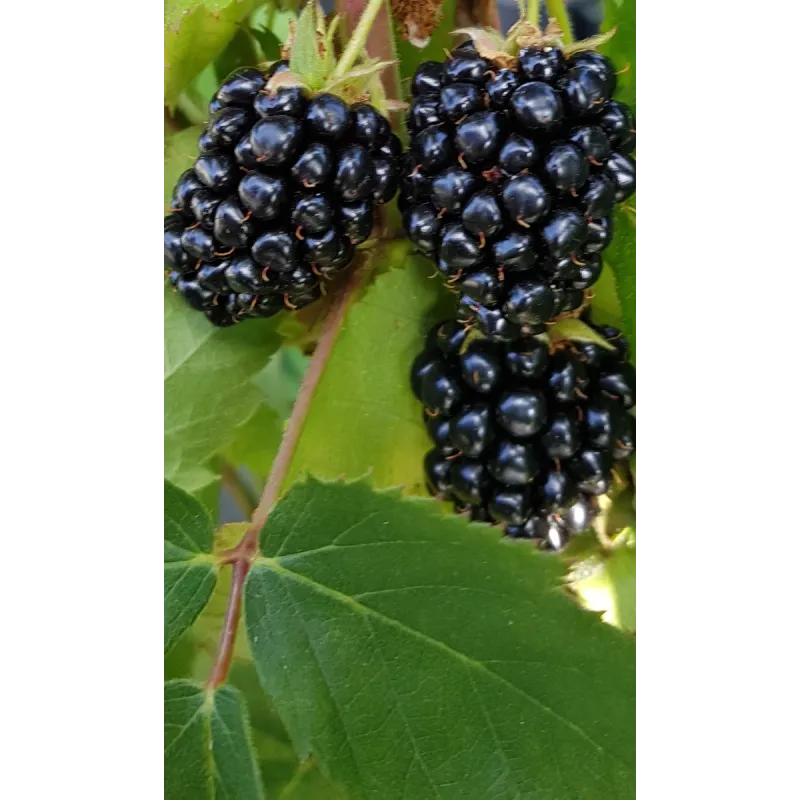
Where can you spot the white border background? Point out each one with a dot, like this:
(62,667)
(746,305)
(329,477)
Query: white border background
(82,452)
(717,465)
(80,595)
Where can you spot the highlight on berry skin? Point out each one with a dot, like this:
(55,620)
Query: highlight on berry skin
(285,186)
(509,186)
(525,434)
(513,172)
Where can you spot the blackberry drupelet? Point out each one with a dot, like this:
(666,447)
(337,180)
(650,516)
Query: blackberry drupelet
(511,179)
(525,434)
(284,187)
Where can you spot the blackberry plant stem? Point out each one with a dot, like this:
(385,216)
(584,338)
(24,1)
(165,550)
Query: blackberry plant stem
(241,556)
(532,14)
(358,41)
(558,10)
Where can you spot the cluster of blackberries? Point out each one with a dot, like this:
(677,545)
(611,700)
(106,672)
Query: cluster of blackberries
(525,435)
(511,180)
(282,191)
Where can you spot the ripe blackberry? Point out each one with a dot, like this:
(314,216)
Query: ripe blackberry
(284,186)
(524,434)
(512,177)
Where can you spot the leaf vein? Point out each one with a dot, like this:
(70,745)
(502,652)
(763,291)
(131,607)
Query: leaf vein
(366,610)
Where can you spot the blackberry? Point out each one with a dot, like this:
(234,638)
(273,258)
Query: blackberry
(512,176)
(524,434)
(283,188)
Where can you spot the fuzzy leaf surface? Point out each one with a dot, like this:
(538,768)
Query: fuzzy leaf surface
(311,58)
(364,418)
(195,31)
(208,750)
(417,656)
(189,573)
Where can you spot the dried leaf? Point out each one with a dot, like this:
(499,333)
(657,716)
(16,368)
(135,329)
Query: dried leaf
(285,80)
(286,47)
(417,19)
(592,43)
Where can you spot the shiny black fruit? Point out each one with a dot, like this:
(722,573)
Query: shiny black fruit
(513,463)
(276,140)
(541,63)
(328,117)
(478,137)
(525,200)
(537,106)
(522,412)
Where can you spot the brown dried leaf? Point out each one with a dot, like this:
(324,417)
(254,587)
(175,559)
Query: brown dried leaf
(286,47)
(592,43)
(490,44)
(417,18)
(285,80)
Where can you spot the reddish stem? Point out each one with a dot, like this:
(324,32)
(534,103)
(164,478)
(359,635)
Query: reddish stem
(242,555)
(230,625)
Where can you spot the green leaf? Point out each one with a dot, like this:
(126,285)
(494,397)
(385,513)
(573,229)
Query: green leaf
(306,60)
(208,389)
(364,418)
(621,258)
(242,51)
(578,331)
(621,48)
(270,25)
(204,485)
(605,306)
(180,151)
(621,255)
(277,760)
(257,441)
(180,658)
(309,783)
(411,57)
(195,31)
(189,572)
(208,750)
(418,656)
(608,584)
(280,380)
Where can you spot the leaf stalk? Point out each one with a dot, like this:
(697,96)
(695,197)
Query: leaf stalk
(242,555)
(358,41)
(558,11)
